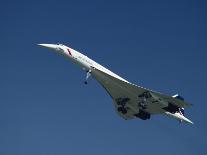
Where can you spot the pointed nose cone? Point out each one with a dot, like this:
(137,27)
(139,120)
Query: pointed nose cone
(50,46)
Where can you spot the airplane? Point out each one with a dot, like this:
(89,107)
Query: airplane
(130,101)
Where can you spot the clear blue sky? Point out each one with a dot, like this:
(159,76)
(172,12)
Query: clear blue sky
(46,109)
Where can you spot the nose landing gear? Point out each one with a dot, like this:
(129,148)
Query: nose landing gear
(88,74)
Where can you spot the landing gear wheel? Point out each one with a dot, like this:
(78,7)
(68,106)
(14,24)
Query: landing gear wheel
(142,105)
(122,110)
(88,74)
(119,109)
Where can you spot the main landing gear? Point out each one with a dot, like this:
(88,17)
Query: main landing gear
(143,97)
(88,74)
(121,102)
(142,104)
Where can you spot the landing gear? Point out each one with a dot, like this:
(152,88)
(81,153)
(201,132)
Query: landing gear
(146,95)
(122,110)
(88,74)
(143,115)
(121,102)
(143,104)
(143,97)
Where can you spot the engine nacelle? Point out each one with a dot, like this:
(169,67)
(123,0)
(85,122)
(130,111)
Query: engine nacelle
(143,115)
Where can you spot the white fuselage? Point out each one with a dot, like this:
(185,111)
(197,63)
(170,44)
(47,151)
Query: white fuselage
(84,62)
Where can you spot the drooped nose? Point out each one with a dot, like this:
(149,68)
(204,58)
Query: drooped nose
(50,46)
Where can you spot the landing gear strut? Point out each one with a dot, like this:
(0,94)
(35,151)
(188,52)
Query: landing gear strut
(88,74)
(121,102)
(144,96)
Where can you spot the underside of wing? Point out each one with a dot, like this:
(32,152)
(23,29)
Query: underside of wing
(132,101)
(121,91)
(115,88)
(173,100)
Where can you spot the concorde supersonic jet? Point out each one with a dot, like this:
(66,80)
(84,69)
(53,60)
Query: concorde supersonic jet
(130,101)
